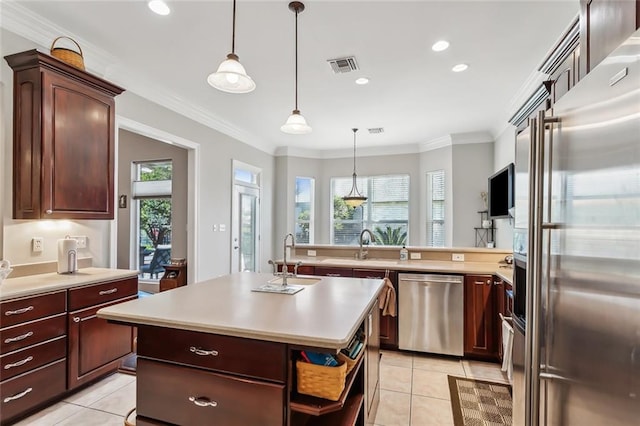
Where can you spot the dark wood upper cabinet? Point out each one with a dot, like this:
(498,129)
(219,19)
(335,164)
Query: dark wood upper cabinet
(604,24)
(63,140)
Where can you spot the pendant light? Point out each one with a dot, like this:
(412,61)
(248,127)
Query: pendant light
(231,76)
(296,123)
(355,198)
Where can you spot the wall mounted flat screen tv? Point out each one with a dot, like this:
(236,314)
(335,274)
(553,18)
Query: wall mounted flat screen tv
(500,194)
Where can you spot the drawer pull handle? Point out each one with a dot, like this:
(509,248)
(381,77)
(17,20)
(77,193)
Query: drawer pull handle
(203,402)
(105,292)
(203,352)
(18,363)
(17,396)
(18,338)
(19,311)
(333,275)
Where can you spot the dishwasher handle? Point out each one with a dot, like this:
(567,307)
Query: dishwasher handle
(439,279)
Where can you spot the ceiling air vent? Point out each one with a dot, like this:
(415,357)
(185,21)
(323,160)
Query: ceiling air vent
(342,65)
(376,130)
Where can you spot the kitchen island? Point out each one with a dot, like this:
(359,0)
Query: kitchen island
(216,352)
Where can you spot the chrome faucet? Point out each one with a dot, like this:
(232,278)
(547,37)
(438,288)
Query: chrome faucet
(363,252)
(285,268)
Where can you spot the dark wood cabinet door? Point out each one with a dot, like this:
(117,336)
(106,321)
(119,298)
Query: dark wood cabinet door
(333,271)
(480,317)
(77,150)
(604,24)
(388,325)
(95,345)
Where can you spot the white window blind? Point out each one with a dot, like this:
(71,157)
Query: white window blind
(304,207)
(435,209)
(386,211)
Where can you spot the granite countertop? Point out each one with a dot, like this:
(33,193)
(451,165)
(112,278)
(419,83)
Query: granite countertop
(325,314)
(449,267)
(41,283)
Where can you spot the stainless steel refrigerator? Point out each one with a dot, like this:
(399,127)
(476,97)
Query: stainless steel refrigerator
(582,335)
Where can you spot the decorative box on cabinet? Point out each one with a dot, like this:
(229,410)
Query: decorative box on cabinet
(33,352)
(96,346)
(174,276)
(64,127)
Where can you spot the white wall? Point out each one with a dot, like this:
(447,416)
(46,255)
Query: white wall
(214,183)
(472,166)
(503,154)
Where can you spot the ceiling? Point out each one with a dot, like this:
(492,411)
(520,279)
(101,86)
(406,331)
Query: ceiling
(412,94)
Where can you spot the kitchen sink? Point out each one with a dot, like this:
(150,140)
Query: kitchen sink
(295,280)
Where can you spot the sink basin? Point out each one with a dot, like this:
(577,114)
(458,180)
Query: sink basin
(278,289)
(295,280)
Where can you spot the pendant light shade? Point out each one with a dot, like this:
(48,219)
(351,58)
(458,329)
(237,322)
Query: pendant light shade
(354,199)
(296,123)
(231,76)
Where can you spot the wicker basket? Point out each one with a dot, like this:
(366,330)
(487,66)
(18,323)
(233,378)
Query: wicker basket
(69,56)
(350,362)
(130,418)
(321,381)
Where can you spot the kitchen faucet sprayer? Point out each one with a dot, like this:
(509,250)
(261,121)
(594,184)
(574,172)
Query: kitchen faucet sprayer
(285,269)
(363,253)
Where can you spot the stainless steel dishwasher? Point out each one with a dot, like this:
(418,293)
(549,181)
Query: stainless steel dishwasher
(430,313)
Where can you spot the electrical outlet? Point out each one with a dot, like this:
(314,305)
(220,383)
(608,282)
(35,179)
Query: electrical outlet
(37,244)
(81,241)
(415,256)
(311,253)
(223,227)
(457,257)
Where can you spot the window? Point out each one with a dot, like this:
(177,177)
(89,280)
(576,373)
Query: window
(304,226)
(386,211)
(152,194)
(435,209)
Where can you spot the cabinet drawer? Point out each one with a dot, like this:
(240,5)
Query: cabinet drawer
(22,335)
(188,396)
(245,357)
(26,359)
(98,294)
(333,272)
(30,308)
(24,392)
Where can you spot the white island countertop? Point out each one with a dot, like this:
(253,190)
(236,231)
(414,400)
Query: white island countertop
(325,314)
(42,283)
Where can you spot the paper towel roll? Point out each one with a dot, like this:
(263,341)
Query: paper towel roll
(67,256)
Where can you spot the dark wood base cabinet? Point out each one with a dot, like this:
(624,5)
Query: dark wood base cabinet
(47,351)
(481,317)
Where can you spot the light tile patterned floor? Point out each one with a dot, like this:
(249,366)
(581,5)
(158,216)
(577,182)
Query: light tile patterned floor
(413,392)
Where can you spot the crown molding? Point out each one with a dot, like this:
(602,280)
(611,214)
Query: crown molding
(471,137)
(25,23)
(436,143)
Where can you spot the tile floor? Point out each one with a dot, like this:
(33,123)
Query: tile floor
(413,391)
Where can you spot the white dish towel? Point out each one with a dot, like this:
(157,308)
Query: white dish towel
(507,347)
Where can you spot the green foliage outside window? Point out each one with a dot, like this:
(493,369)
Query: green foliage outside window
(155,214)
(390,236)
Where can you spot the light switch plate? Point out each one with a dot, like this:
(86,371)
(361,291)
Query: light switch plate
(457,257)
(311,253)
(415,256)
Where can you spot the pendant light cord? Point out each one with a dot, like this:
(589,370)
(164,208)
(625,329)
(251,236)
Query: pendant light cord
(354,151)
(233,31)
(296,59)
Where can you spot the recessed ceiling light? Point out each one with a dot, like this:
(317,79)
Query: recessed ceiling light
(439,46)
(362,80)
(159,7)
(459,67)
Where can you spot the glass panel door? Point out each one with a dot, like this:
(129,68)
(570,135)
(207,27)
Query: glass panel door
(245,233)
